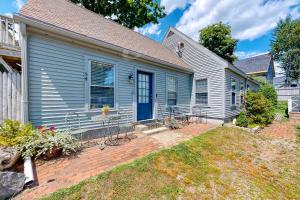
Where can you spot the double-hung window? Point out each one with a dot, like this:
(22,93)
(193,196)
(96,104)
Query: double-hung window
(242,92)
(102,82)
(201,92)
(233,92)
(172,90)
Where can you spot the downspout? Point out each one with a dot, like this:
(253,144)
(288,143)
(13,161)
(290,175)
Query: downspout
(28,169)
(24,103)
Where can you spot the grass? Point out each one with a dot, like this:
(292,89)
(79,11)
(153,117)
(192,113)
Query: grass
(281,108)
(223,163)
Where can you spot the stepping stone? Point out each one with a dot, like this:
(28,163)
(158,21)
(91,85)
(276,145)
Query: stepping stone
(155,131)
(141,127)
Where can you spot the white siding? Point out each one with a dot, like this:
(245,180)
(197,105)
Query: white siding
(57,84)
(232,111)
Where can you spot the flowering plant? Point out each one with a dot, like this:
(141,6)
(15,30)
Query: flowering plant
(44,130)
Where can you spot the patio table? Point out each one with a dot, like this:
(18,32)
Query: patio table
(110,123)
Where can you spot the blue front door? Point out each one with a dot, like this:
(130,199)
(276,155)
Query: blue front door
(144,95)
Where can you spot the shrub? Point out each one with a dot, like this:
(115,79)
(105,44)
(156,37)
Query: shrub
(268,91)
(242,120)
(12,131)
(259,109)
(173,124)
(42,142)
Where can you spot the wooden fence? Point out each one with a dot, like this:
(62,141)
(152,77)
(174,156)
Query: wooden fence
(287,93)
(10,96)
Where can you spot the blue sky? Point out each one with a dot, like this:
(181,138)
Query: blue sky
(252,22)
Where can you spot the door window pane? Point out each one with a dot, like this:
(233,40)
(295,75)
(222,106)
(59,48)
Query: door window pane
(144,88)
(102,85)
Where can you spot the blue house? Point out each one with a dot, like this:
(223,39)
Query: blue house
(261,66)
(75,61)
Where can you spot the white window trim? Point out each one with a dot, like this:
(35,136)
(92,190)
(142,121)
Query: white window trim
(88,65)
(199,79)
(176,87)
(231,91)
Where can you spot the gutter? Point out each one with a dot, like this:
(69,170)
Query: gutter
(70,34)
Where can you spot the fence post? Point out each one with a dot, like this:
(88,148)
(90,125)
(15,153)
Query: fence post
(290,105)
(13,96)
(1,97)
(19,93)
(9,96)
(4,107)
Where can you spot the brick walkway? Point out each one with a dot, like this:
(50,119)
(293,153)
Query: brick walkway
(281,130)
(64,172)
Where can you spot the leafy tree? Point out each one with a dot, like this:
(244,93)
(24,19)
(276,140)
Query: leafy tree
(129,13)
(268,91)
(285,47)
(217,38)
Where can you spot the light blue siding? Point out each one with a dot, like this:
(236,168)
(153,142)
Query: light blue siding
(57,83)
(204,67)
(230,110)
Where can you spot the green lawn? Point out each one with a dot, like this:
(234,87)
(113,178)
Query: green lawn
(224,163)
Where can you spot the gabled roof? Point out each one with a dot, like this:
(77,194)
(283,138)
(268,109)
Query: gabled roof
(256,64)
(224,63)
(70,17)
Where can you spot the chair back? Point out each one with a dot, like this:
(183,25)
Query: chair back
(196,110)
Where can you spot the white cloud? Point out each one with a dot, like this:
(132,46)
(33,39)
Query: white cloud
(152,29)
(19,4)
(171,5)
(248,19)
(246,54)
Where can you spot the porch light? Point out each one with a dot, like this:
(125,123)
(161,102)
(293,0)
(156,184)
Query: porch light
(131,78)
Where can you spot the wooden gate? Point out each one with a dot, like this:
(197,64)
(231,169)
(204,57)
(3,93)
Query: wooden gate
(10,96)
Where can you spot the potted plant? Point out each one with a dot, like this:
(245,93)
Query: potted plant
(105,110)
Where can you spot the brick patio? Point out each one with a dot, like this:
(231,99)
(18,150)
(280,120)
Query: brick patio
(282,130)
(64,172)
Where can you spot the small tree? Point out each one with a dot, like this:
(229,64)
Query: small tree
(258,108)
(218,39)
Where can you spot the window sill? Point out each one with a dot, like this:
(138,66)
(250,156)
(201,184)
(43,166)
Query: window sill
(100,110)
(202,106)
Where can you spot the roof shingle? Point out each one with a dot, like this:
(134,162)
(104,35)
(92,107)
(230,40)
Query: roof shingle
(66,15)
(254,64)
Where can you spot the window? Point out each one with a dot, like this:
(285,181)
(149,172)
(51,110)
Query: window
(248,87)
(101,85)
(233,92)
(172,90)
(201,92)
(242,90)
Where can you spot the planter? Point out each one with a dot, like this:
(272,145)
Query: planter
(53,153)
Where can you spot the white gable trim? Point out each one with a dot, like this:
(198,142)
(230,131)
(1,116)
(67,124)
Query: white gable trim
(198,46)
